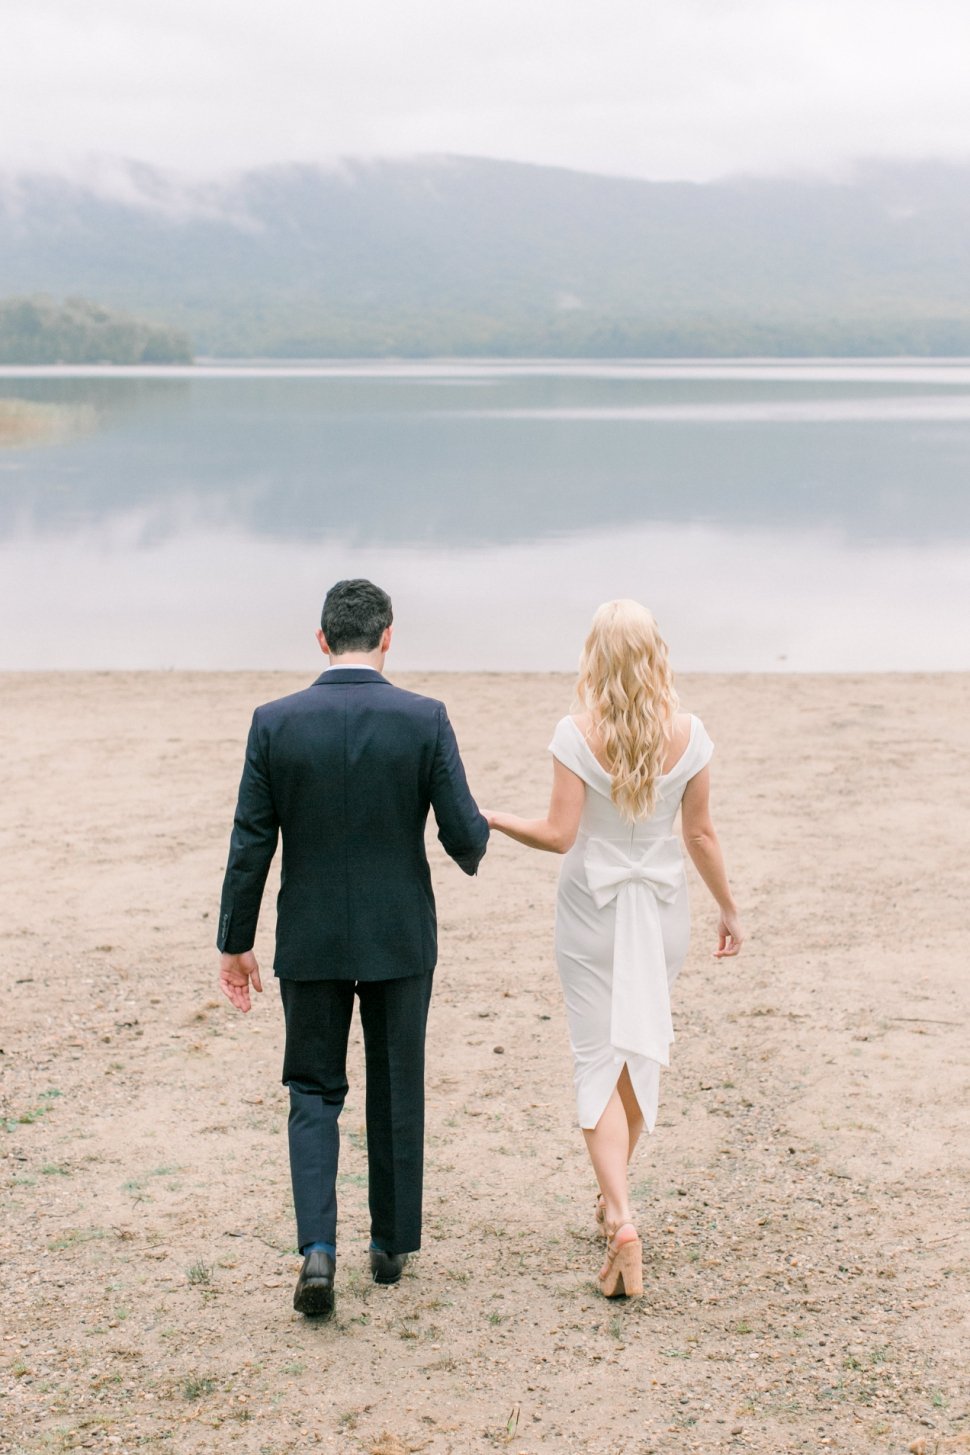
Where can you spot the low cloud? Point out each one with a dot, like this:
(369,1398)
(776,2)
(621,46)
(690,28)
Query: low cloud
(701,89)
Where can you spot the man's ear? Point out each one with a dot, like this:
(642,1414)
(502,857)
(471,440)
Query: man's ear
(323,642)
(386,638)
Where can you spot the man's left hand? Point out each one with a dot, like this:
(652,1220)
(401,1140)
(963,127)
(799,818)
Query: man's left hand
(236,973)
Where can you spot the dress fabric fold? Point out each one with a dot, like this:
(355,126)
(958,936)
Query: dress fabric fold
(622,928)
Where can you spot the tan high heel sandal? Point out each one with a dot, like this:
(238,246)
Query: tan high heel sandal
(623,1272)
(600,1214)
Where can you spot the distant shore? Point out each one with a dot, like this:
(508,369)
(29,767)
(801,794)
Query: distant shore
(766,367)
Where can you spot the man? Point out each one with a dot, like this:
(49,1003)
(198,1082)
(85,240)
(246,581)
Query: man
(348,769)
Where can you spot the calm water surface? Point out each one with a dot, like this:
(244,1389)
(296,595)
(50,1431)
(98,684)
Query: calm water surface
(775,516)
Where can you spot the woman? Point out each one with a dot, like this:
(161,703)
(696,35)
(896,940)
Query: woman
(622,767)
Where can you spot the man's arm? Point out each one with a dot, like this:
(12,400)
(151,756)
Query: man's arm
(255,834)
(462,830)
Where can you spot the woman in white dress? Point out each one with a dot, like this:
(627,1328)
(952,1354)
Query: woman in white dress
(622,767)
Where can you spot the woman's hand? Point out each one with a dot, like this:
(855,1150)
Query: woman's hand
(729,934)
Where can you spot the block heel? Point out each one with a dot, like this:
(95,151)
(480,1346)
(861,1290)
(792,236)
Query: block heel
(622,1274)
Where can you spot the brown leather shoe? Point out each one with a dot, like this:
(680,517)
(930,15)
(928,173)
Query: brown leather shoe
(386,1267)
(314,1287)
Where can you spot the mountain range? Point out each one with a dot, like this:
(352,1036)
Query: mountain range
(456,255)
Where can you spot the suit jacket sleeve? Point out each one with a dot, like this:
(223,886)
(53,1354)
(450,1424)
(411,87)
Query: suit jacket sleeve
(251,848)
(462,830)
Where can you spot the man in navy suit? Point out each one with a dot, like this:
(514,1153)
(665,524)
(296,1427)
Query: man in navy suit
(347,770)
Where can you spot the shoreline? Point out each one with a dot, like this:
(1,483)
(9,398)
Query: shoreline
(11,369)
(454,673)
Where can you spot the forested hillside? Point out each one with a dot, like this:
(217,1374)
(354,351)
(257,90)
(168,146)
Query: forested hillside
(41,331)
(448,255)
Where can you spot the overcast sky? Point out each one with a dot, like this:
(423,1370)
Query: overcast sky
(652,88)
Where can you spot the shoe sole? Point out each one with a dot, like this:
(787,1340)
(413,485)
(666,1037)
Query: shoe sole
(315,1300)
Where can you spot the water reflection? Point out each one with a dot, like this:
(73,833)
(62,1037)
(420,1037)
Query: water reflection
(729,600)
(375,461)
(811,516)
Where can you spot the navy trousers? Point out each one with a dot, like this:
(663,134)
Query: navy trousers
(394,1015)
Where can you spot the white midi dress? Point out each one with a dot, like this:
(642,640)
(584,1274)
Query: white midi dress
(622,928)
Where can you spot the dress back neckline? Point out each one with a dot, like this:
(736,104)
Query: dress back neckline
(660,776)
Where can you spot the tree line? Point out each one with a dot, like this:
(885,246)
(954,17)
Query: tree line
(39,330)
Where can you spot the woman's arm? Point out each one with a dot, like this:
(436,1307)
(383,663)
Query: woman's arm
(557,831)
(703,846)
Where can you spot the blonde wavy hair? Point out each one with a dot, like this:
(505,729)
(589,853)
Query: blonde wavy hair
(626,685)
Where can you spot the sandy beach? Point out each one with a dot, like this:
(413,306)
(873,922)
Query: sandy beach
(803,1202)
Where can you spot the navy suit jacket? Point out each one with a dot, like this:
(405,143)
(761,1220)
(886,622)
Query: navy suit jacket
(347,770)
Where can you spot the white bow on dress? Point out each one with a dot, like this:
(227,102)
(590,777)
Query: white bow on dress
(637,877)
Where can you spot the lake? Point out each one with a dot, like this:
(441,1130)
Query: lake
(802,516)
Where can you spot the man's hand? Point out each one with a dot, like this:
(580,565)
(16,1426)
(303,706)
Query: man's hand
(235,974)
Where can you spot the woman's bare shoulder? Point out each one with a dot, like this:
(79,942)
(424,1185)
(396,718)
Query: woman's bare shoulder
(680,730)
(592,737)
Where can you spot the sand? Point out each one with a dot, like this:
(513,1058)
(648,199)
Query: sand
(803,1201)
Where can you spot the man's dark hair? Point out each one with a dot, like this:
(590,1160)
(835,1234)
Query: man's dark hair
(355,616)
